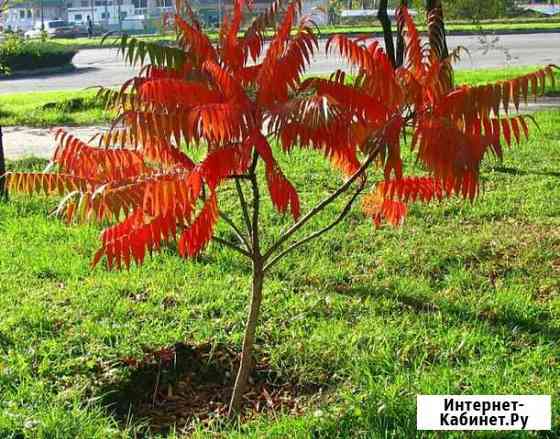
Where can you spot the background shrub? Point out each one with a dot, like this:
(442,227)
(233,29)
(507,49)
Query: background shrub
(19,54)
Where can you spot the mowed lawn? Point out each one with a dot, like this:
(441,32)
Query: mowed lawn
(80,107)
(52,108)
(463,299)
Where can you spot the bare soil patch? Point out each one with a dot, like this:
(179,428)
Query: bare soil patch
(184,385)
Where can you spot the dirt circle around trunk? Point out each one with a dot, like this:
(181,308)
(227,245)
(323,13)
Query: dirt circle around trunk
(185,385)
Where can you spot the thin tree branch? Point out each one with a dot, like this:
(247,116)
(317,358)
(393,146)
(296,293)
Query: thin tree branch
(231,245)
(236,230)
(243,207)
(325,202)
(318,233)
(254,163)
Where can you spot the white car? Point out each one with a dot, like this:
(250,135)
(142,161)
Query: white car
(53,29)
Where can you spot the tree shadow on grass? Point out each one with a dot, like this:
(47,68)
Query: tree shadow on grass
(534,327)
(5,342)
(517,171)
(71,70)
(184,385)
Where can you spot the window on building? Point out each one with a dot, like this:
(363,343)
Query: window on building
(105,15)
(29,13)
(140,3)
(78,17)
(22,14)
(85,3)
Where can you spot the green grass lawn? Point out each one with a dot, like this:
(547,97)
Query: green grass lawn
(464,298)
(79,108)
(484,76)
(452,27)
(53,108)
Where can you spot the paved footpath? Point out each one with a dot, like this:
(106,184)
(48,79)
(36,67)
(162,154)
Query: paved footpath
(22,142)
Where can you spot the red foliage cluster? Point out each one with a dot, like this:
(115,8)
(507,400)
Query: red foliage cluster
(231,100)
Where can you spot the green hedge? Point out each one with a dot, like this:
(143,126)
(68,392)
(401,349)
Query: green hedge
(19,54)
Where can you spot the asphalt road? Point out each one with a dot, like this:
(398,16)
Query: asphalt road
(104,66)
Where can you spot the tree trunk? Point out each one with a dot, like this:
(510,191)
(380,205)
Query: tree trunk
(3,190)
(433,4)
(399,57)
(246,365)
(387,31)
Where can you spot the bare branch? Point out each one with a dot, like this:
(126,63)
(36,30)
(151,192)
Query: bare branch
(231,245)
(318,233)
(319,207)
(236,230)
(238,177)
(244,207)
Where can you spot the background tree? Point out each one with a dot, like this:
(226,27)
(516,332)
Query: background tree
(238,107)
(477,10)
(383,17)
(434,9)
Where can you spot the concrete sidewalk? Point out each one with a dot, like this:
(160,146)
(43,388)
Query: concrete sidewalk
(22,142)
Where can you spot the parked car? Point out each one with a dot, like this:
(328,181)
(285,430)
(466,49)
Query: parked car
(53,29)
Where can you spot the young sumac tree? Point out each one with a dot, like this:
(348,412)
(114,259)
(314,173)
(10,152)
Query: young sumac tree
(3,191)
(242,103)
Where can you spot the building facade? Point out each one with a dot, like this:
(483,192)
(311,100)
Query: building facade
(131,15)
(23,16)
